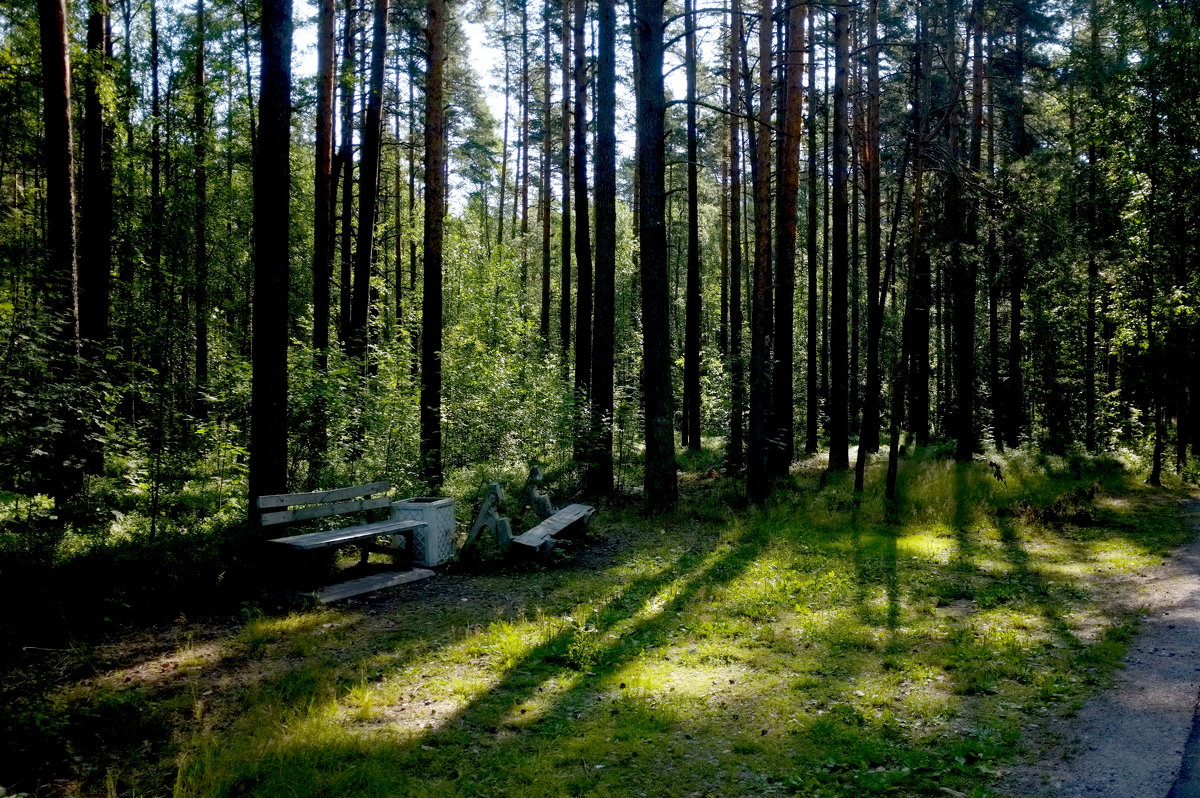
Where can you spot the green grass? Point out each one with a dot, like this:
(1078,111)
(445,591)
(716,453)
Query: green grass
(808,648)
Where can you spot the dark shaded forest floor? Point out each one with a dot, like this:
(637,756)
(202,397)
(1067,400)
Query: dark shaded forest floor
(808,648)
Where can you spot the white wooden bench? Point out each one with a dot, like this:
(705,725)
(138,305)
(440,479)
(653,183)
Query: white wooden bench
(356,499)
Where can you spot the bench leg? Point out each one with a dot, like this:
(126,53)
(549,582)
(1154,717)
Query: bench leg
(402,559)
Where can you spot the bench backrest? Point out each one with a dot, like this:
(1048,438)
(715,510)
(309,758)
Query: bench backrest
(322,503)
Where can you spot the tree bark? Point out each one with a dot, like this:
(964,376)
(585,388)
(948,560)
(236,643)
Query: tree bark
(782,436)
(504,125)
(345,162)
(323,185)
(200,132)
(691,336)
(868,436)
(272,215)
(564,311)
(965,276)
(95,266)
(812,411)
(583,239)
(735,452)
(368,193)
(600,461)
(435,209)
(918,256)
(661,486)
(544,194)
(839,437)
(761,317)
(62,278)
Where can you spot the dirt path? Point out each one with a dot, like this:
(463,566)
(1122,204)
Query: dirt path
(1129,741)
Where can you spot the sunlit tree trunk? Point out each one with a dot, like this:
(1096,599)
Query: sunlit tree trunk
(435,209)
(691,336)
(600,461)
(812,411)
(200,149)
(544,194)
(761,317)
(272,217)
(345,162)
(564,310)
(583,236)
(661,485)
(782,447)
(323,189)
(735,452)
(61,282)
(839,441)
(868,438)
(368,194)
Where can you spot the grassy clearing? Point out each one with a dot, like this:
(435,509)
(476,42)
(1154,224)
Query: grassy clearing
(807,648)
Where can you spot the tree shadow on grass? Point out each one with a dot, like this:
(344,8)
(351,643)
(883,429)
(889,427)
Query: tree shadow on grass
(875,563)
(644,613)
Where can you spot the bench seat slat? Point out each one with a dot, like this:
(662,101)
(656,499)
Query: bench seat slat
(338,494)
(366,584)
(571,514)
(337,537)
(323,510)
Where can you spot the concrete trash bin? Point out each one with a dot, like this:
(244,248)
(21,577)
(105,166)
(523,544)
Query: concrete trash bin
(433,543)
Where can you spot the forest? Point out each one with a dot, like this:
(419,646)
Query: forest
(709,257)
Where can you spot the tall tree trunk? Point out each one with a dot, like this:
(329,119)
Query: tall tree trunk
(812,411)
(600,471)
(781,448)
(323,186)
(564,311)
(691,336)
(918,256)
(504,125)
(544,194)
(435,209)
(524,152)
(761,317)
(368,193)
(839,436)
(322,226)
(868,437)
(62,279)
(1021,146)
(735,453)
(723,322)
(156,195)
(965,277)
(345,161)
(662,490)
(95,266)
(1093,268)
(854,384)
(200,132)
(63,474)
(992,257)
(272,217)
(583,238)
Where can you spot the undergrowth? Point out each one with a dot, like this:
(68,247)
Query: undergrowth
(808,648)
